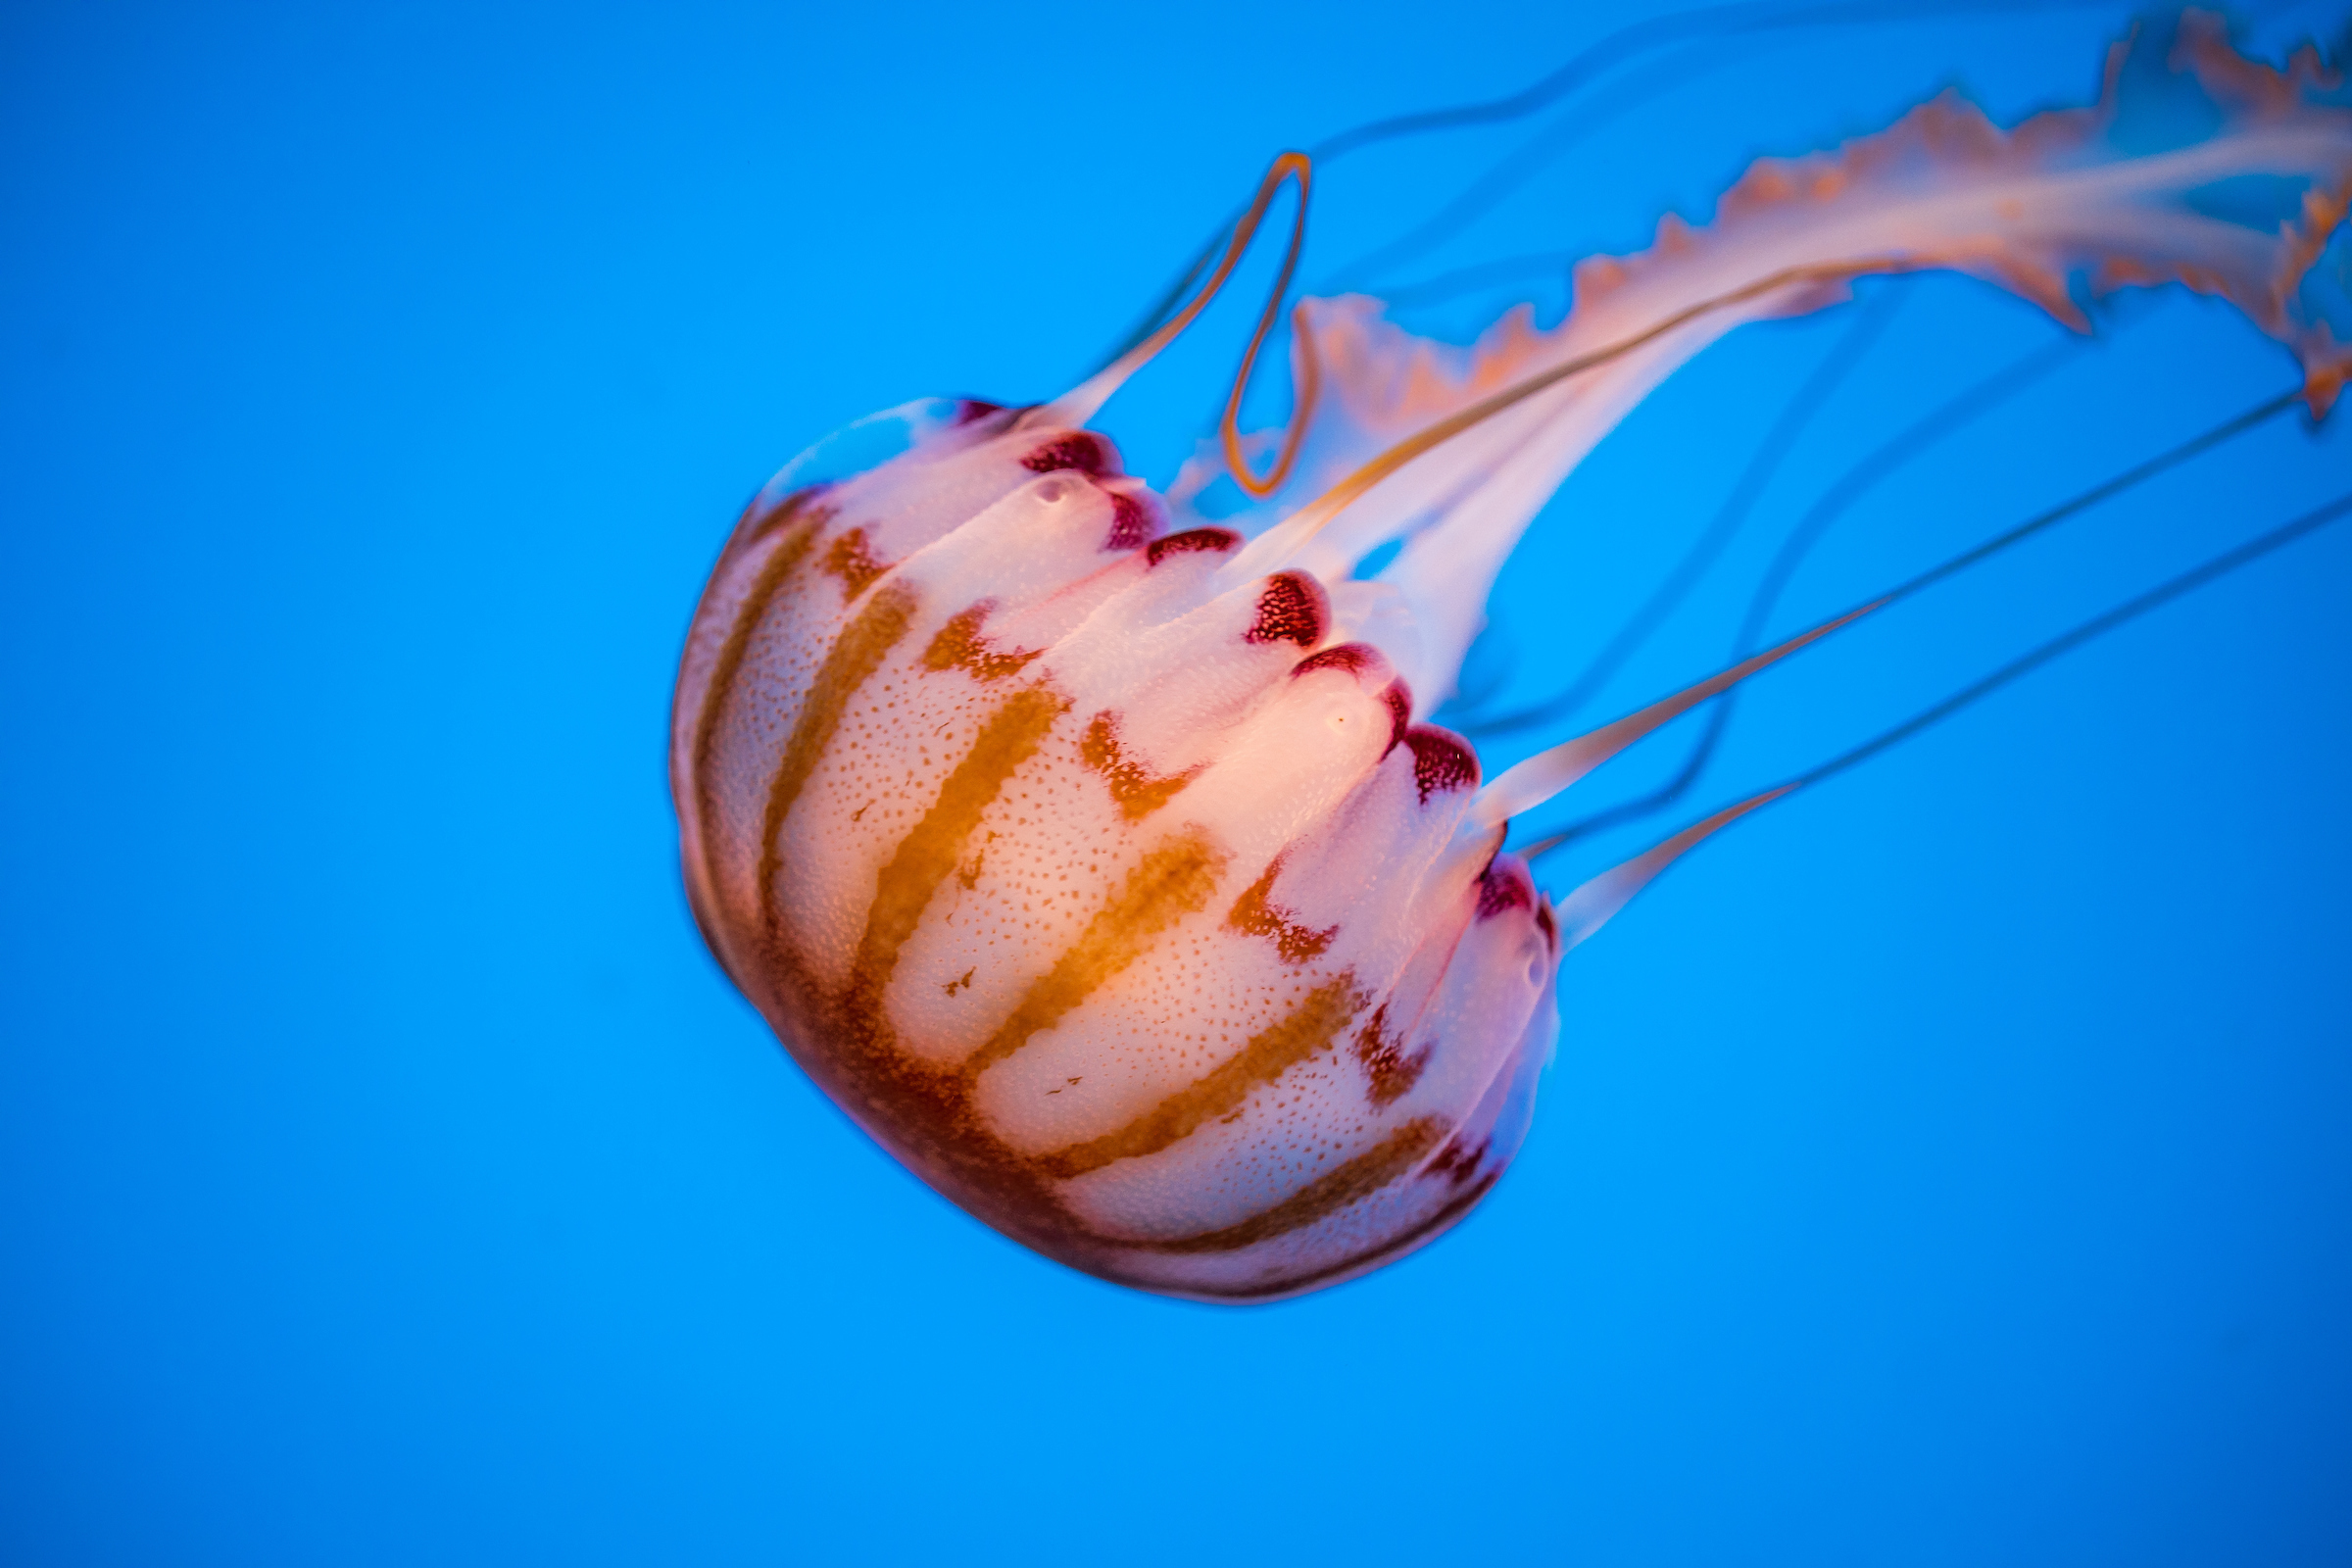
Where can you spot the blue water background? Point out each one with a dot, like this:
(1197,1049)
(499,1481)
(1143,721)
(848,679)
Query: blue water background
(1950,1166)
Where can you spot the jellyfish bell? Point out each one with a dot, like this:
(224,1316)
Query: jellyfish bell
(1090,854)
(1124,904)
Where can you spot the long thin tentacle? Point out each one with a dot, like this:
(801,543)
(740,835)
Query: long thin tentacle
(1592,903)
(1595,902)
(2237,426)
(1078,405)
(1834,502)
(1547,773)
(1626,43)
(1799,412)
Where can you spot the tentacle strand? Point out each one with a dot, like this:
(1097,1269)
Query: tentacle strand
(1078,405)
(1674,789)
(1584,910)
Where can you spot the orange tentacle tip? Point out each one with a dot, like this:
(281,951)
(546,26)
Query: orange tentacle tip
(1089,854)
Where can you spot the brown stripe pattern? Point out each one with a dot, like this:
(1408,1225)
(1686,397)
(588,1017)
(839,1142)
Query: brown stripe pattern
(857,654)
(1014,768)
(1174,880)
(925,857)
(1307,1030)
(782,562)
(1358,1178)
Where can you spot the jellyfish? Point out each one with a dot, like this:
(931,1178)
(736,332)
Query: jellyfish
(1098,856)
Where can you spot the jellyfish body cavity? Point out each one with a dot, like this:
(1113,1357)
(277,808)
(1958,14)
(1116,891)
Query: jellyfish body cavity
(1089,854)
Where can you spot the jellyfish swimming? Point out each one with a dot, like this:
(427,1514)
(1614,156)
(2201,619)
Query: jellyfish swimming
(1097,858)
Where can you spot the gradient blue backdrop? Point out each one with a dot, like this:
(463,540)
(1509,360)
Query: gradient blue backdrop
(1951,1166)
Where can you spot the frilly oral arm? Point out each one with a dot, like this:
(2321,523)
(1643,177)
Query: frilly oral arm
(2059,198)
